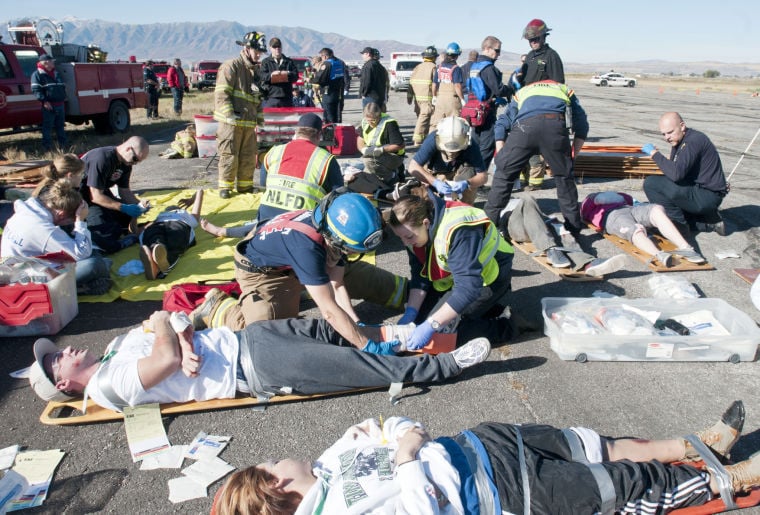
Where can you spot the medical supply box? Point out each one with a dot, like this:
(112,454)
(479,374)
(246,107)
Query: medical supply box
(34,309)
(345,140)
(614,329)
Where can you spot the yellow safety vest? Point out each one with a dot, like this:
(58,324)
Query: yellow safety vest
(372,136)
(298,185)
(544,89)
(455,216)
(421,81)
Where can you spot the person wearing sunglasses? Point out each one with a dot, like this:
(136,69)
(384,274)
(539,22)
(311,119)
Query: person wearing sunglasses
(486,89)
(110,215)
(542,62)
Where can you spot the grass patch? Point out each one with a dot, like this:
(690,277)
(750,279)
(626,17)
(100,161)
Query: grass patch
(28,145)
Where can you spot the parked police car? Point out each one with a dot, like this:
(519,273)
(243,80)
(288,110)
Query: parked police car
(613,79)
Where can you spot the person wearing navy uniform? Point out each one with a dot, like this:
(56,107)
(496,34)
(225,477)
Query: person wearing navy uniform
(49,89)
(330,77)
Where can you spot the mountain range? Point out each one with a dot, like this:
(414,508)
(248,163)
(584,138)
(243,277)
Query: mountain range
(216,40)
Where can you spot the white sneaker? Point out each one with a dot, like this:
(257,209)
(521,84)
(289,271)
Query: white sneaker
(471,353)
(600,267)
(402,333)
(690,255)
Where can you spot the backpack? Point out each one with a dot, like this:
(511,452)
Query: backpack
(187,296)
(475,84)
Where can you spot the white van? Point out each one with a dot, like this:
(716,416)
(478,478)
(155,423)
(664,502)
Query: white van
(402,66)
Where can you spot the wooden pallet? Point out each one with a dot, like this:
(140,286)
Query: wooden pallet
(68,413)
(679,264)
(22,171)
(567,274)
(747,274)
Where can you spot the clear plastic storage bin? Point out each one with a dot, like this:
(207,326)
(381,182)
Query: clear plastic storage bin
(571,343)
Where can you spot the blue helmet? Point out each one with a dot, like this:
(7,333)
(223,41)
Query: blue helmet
(453,49)
(351,222)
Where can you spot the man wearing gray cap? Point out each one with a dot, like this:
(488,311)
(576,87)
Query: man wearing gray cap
(237,99)
(48,87)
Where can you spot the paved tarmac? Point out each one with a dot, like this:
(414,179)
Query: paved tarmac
(521,382)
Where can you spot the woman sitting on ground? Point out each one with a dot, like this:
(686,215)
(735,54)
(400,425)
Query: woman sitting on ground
(35,230)
(617,214)
(395,467)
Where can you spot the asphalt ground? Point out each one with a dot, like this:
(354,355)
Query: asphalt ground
(521,382)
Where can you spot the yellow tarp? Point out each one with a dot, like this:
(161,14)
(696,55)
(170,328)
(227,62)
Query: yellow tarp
(209,260)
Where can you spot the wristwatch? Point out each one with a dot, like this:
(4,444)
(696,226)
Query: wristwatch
(434,324)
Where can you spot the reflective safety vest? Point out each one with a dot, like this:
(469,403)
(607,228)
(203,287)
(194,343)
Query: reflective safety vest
(435,257)
(372,136)
(545,88)
(237,97)
(296,172)
(421,81)
(446,80)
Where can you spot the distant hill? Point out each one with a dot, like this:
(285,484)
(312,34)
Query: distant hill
(216,40)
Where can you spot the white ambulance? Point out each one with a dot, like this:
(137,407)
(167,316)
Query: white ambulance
(402,65)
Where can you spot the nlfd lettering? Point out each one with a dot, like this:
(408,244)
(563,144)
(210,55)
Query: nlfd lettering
(290,200)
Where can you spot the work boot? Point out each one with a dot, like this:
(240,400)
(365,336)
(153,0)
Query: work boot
(224,193)
(718,227)
(202,315)
(245,190)
(150,266)
(721,436)
(745,475)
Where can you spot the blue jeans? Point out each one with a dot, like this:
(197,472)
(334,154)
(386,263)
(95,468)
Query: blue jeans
(55,118)
(178,93)
(94,267)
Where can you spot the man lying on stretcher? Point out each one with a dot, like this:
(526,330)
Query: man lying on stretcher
(167,361)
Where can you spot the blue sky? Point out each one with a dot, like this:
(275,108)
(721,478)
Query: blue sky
(583,31)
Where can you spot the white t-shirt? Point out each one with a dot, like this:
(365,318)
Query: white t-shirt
(217,348)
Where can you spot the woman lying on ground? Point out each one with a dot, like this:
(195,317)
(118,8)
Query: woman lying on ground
(395,467)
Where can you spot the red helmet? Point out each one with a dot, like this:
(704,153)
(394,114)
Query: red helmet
(535,28)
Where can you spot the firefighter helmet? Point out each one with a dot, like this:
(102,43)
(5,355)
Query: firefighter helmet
(535,28)
(348,221)
(430,52)
(453,49)
(255,40)
(452,134)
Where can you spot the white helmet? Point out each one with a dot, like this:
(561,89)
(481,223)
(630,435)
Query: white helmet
(453,134)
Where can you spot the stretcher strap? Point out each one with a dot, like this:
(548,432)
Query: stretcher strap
(601,476)
(717,470)
(523,470)
(394,391)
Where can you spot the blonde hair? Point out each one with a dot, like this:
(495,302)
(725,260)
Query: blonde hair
(63,167)
(60,195)
(252,491)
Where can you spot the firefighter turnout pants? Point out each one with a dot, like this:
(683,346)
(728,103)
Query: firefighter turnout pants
(424,112)
(237,149)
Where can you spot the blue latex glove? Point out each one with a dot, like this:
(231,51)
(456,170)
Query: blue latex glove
(442,187)
(410,315)
(460,186)
(421,336)
(500,101)
(648,149)
(382,348)
(514,82)
(133,210)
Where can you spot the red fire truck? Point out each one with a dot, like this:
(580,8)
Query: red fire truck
(96,91)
